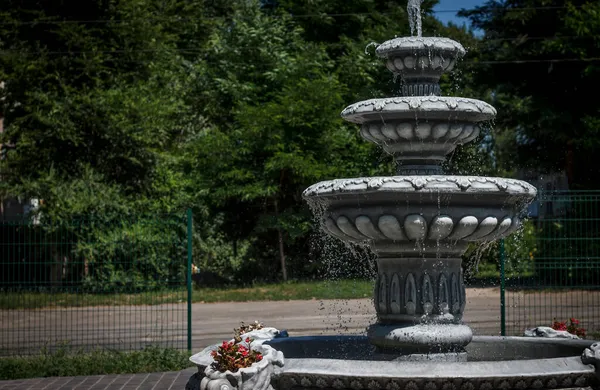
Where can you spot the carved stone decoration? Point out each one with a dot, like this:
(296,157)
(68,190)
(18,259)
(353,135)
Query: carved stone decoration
(591,355)
(444,184)
(465,227)
(545,331)
(455,295)
(432,107)
(216,384)
(566,380)
(382,293)
(406,292)
(486,226)
(349,229)
(395,295)
(366,228)
(415,227)
(463,292)
(443,295)
(194,382)
(440,229)
(410,294)
(427,295)
(413,142)
(390,227)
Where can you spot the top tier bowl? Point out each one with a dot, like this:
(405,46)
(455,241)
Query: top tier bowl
(420,61)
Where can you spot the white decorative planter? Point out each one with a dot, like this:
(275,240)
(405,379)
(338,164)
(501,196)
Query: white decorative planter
(545,331)
(256,377)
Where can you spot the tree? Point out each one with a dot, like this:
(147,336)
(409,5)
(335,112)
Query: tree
(230,107)
(277,103)
(95,107)
(540,58)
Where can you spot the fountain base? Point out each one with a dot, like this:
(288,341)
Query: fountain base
(505,363)
(422,342)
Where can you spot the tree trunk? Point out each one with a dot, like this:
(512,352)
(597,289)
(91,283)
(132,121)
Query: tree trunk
(281,249)
(569,163)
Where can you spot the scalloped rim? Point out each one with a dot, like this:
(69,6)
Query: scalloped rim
(411,184)
(407,44)
(415,103)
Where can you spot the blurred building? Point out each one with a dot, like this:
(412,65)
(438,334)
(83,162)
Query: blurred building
(546,183)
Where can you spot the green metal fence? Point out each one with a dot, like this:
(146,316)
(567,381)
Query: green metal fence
(559,270)
(122,283)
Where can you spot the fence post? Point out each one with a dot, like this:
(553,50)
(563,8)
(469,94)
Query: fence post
(189,278)
(502,258)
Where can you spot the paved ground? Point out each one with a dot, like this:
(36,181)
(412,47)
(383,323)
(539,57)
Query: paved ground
(133,327)
(214,322)
(156,381)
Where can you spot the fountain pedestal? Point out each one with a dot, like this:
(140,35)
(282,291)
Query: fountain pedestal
(419,303)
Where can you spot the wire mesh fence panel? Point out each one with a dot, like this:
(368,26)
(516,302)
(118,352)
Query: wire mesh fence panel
(93,283)
(563,263)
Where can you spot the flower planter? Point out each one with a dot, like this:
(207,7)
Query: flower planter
(256,377)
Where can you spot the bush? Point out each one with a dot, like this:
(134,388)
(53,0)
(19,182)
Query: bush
(68,362)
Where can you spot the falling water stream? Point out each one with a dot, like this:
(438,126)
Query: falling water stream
(414,17)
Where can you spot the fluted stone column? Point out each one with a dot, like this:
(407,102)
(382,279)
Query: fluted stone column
(419,303)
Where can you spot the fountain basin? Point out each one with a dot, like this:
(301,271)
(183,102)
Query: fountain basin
(419,128)
(350,362)
(413,140)
(441,214)
(420,61)
(422,108)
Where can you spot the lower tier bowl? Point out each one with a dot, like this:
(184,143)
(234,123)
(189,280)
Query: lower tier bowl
(350,362)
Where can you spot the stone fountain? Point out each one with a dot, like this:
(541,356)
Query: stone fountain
(419,223)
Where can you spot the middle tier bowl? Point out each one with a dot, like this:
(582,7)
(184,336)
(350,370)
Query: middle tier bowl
(419,128)
(431,216)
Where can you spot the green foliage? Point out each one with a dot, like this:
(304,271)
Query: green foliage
(231,108)
(133,255)
(541,62)
(520,252)
(96,122)
(69,362)
(280,132)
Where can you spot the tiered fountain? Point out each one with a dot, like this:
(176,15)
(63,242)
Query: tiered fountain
(419,223)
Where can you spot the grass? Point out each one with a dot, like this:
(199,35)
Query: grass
(66,362)
(49,299)
(342,289)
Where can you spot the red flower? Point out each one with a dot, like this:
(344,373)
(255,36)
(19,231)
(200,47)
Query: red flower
(233,356)
(571,328)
